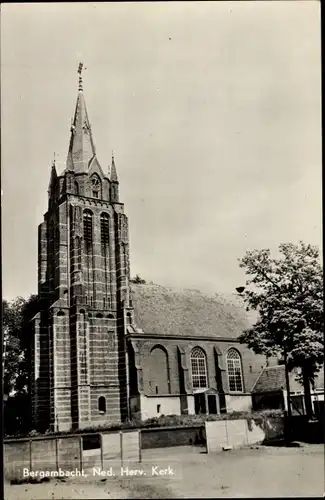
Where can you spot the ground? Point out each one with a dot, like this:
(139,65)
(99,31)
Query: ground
(248,472)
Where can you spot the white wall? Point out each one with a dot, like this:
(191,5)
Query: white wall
(168,406)
(238,402)
(190,405)
(317,397)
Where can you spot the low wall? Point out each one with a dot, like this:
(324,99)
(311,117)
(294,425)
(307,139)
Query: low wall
(16,457)
(172,436)
(131,443)
(238,433)
(111,448)
(69,453)
(41,454)
(44,454)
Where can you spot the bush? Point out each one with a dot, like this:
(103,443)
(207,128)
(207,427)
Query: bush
(171,421)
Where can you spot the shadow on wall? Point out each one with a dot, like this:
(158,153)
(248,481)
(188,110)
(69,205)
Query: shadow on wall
(177,436)
(272,427)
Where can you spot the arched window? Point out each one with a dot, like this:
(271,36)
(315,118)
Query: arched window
(104,228)
(235,377)
(88,227)
(199,369)
(76,187)
(102,404)
(159,370)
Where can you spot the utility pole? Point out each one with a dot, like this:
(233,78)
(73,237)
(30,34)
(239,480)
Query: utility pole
(287,382)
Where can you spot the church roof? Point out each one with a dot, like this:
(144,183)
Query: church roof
(183,312)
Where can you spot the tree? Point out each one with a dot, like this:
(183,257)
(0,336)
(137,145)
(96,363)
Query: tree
(137,280)
(287,292)
(16,360)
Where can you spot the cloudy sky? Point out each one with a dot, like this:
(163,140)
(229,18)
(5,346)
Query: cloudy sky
(213,111)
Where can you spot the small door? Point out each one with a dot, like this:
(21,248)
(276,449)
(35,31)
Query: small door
(212,404)
(222,402)
(199,404)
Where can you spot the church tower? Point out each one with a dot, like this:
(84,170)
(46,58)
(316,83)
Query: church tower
(79,375)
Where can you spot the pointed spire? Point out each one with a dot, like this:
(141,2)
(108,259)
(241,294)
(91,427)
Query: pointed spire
(53,169)
(81,147)
(113,176)
(53,176)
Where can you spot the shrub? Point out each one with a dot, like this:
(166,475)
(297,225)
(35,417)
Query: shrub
(259,418)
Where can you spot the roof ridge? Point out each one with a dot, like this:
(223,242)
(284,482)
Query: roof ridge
(273,366)
(174,288)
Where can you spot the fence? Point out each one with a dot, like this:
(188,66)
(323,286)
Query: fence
(70,453)
(237,433)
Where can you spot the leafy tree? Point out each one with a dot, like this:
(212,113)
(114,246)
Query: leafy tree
(137,280)
(287,292)
(16,316)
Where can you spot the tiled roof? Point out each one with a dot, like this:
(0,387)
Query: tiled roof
(171,311)
(272,378)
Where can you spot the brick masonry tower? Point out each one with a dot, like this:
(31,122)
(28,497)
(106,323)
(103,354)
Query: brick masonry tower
(79,375)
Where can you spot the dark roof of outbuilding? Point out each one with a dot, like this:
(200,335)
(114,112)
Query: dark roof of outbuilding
(172,311)
(272,378)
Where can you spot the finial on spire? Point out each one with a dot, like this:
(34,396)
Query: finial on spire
(53,163)
(80,77)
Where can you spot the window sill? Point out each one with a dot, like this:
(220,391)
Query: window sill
(238,393)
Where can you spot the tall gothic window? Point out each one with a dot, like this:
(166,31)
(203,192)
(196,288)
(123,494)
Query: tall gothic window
(199,369)
(104,228)
(88,227)
(159,370)
(104,237)
(235,377)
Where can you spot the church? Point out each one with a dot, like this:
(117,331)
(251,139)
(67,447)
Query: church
(106,349)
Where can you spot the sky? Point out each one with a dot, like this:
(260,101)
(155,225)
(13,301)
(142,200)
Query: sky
(213,110)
